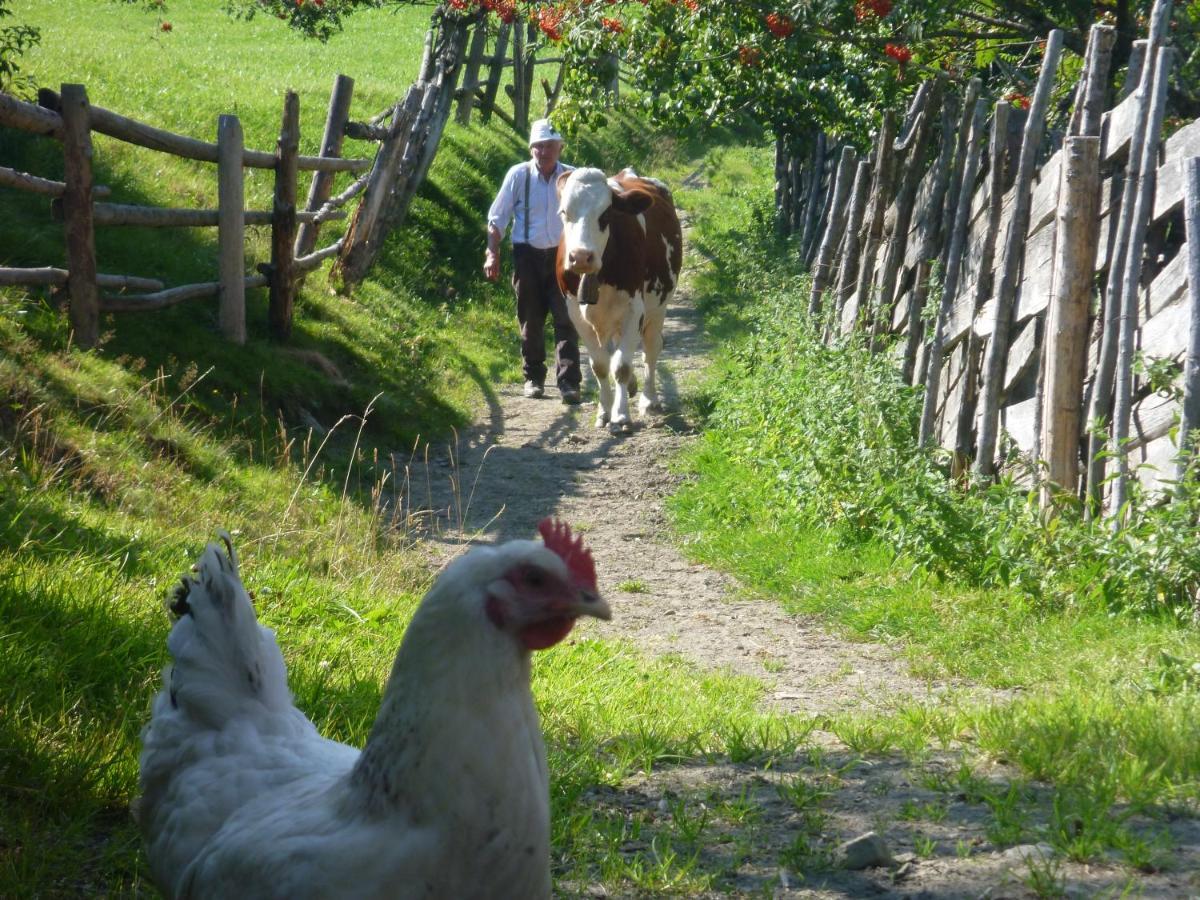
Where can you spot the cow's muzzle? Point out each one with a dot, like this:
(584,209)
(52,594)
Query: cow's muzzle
(583,262)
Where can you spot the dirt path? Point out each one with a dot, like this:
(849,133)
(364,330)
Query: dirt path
(531,458)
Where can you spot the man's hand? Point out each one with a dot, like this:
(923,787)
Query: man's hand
(491,265)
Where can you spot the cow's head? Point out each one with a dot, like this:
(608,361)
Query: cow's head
(587,201)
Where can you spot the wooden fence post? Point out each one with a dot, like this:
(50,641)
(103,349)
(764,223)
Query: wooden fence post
(960,227)
(1191,369)
(1077,230)
(1102,386)
(77,211)
(998,152)
(231,229)
(812,195)
(488,103)
(997,348)
(470,83)
(852,246)
(833,231)
(283,222)
(1143,206)
(934,224)
(881,198)
(913,144)
(520,97)
(782,186)
(331,146)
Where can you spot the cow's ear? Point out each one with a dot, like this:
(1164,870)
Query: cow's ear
(560,183)
(633,202)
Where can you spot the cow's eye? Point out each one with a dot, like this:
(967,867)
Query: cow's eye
(603,222)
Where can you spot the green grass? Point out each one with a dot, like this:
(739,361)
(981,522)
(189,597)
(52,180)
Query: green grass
(1106,697)
(116,465)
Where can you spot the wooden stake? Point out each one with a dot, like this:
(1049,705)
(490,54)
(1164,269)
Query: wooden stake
(471,74)
(331,146)
(231,230)
(77,210)
(1077,228)
(929,241)
(851,250)
(881,198)
(959,229)
(1014,250)
(488,104)
(833,231)
(1144,179)
(1102,385)
(1191,369)
(283,225)
(998,152)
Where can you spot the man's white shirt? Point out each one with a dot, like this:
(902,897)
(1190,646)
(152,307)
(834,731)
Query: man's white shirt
(545,228)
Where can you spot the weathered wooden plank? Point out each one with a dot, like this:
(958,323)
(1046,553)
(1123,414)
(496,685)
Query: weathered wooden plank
(1020,421)
(1022,353)
(1036,275)
(1165,334)
(1152,418)
(1044,200)
(1168,191)
(77,209)
(1118,128)
(1154,465)
(1167,287)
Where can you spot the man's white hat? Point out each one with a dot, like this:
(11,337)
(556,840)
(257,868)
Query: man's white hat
(542,130)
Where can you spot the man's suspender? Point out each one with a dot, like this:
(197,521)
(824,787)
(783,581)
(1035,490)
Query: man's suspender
(527,178)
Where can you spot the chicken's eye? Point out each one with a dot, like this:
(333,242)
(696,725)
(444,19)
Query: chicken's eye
(534,577)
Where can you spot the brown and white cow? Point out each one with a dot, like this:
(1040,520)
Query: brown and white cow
(624,233)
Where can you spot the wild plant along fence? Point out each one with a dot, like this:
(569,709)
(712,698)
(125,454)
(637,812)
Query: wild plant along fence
(1042,287)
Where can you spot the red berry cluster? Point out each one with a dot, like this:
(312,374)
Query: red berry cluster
(505,10)
(871,9)
(779,25)
(613,25)
(1017,99)
(550,19)
(898,52)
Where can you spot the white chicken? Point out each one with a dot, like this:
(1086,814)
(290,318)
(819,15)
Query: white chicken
(242,798)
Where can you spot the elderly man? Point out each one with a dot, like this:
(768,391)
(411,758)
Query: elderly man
(528,199)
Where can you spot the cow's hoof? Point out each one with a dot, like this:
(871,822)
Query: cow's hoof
(646,405)
(601,420)
(621,428)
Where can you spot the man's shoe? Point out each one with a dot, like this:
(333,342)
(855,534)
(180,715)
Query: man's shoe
(533,390)
(571,396)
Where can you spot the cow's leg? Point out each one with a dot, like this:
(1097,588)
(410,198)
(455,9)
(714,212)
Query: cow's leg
(622,364)
(652,342)
(598,357)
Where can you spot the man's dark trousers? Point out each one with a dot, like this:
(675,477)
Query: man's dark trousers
(536,285)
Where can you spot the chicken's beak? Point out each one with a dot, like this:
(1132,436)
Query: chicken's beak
(590,603)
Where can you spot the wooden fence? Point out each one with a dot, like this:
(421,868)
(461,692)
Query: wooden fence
(1043,289)
(69,118)
(408,136)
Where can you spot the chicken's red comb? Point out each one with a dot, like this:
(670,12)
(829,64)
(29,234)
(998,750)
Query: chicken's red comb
(557,536)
